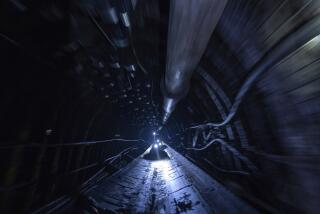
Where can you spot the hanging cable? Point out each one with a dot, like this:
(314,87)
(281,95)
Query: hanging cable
(67,144)
(234,151)
(239,172)
(206,146)
(94,21)
(283,48)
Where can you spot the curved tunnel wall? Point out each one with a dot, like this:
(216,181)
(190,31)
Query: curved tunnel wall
(271,152)
(40,133)
(47,108)
(279,115)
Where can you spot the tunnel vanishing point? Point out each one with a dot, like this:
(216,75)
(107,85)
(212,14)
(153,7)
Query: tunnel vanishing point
(159,106)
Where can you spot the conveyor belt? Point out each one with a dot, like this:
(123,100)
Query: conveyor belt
(172,185)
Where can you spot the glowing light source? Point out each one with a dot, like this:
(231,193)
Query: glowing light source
(158,140)
(154,133)
(155,146)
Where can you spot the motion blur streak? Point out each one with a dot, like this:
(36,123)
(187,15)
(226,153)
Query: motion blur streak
(159,106)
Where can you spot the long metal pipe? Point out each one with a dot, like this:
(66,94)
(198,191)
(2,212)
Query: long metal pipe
(191,24)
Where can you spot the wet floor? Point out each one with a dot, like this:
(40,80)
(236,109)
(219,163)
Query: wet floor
(172,185)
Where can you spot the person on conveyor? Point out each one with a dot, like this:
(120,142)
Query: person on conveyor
(157,151)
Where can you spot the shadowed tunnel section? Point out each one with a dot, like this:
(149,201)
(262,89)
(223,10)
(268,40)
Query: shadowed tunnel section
(145,106)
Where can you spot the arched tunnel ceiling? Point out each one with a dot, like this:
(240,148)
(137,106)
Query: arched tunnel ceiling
(78,71)
(229,57)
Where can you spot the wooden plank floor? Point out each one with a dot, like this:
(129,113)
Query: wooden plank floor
(172,185)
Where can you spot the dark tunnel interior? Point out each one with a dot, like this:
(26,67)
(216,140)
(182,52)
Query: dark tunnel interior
(160,106)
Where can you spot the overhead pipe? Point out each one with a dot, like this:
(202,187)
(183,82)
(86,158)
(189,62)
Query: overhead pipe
(191,23)
(308,32)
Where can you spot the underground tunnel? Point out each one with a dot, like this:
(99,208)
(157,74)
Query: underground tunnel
(160,106)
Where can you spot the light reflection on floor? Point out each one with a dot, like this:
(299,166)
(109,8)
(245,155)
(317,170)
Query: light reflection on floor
(172,185)
(163,167)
